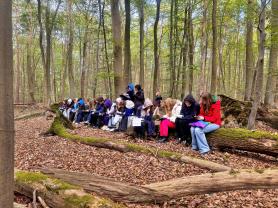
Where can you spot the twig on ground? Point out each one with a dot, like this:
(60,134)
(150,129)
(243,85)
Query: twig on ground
(42,202)
(34,199)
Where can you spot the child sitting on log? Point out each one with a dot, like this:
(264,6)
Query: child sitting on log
(172,108)
(190,108)
(209,120)
(147,123)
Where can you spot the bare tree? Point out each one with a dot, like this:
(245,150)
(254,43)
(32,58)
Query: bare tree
(249,51)
(117,43)
(70,49)
(260,68)
(156,55)
(6,108)
(142,33)
(127,53)
(213,85)
(46,51)
(272,73)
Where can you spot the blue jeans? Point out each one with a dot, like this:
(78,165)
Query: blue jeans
(199,141)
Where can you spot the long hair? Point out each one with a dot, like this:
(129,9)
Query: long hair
(207,97)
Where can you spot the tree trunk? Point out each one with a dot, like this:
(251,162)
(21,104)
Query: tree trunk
(30,72)
(171,189)
(106,52)
(202,87)
(127,53)
(249,51)
(191,49)
(272,71)
(171,52)
(213,85)
(260,68)
(156,55)
(184,52)
(6,107)
(70,50)
(117,44)
(142,37)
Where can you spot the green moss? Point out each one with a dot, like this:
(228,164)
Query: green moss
(261,171)
(240,133)
(90,201)
(78,201)
(51,184)
(30,177)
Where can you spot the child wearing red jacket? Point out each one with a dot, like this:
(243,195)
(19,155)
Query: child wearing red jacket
(209,112)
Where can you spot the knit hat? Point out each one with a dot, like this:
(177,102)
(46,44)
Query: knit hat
(129,104)
(108,103)
(131,86)
(148,103)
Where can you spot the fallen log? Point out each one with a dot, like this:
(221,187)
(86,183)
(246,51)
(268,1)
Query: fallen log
(58,128)
(118,191)
(235,113)
(57,193)
(243,139)
(30,115)
(171,189)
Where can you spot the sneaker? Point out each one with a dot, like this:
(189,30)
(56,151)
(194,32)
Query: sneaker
(104,128)
(179,141)
(163,140)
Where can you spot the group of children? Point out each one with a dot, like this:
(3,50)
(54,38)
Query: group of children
(188,120)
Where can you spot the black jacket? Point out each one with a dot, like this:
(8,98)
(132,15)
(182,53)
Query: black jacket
(189,112)
(139,98)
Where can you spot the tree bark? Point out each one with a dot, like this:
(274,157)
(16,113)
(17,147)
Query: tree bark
(184,52)
(272,69)
(142,37)
(202,87)
(106,52)
(171,48)
(171,189)
(70,50)
(117,47)
(260,68)
(191,49)
(213,85)
(127,52)
(241,139)
(6,107)
(156,55)
(249,51)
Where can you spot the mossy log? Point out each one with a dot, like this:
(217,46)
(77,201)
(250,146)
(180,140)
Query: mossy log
(235,113)
(243,139)
(59,129)
(171,189)
(57,193)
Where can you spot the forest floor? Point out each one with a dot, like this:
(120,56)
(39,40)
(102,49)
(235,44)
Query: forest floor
(34,150)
